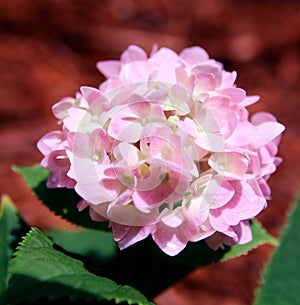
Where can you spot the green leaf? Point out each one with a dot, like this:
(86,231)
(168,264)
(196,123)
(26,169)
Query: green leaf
(281,278)
(39,271)
(61,201)
(95,246)
(11,230)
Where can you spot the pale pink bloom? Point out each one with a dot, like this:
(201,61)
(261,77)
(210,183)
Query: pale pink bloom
(194,55)
(165,147)
(180,225)
(53,146)
(246,203)
(112,68)
(93,115)
(127,124)
(231,165)
(203,135)
(239,234)
(61,108)
(131,179)
(267,141)
(168,145)
(89,161)
(129,235)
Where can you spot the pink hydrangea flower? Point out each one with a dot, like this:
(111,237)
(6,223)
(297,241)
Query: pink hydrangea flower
(165,147)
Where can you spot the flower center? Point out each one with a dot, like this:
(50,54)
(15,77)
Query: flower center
(164,177)
(144,169)
(173,121)
(144,121)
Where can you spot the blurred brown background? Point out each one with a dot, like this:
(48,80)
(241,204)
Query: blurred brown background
(49,48)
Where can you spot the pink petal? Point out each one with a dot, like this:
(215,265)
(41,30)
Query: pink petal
(194,55)
(76,117)
(92,95)
(262,117)
(82,205)
(248,200)
(222,116)
(134,235)
(189,126)
(209,69)
(231,165)
(210,141)
(60,109)
(228,79)
(204,82)
(165,55)
(230,218)
(130,215)
(56,161)
(109,68)
(50,140)
(135,71)
(172,220)
(169,240)
(205,230)
(129,153)
(244,232)
(221,193)
(89,187)
(140,108)
(183,78)
(217,221)
(119,231)
(207,116)
(159,190)
(79,144)
(265,155)
(133,53)
(265,188)
(267,132)
(238,137)
(236,94)
(125,126)
(96,216)
(249,100)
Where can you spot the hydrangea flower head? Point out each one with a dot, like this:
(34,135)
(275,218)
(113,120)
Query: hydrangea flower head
(165,147)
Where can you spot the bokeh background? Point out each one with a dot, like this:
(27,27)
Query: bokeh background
(49,48)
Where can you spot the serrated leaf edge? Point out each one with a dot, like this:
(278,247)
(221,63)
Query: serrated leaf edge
(108,295)
(271,240)
(17,170)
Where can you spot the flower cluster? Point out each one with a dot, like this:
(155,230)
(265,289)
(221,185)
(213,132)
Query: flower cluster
(165,147)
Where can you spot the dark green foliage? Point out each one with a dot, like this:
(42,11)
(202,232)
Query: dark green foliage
(39,271)
(11,229)
(281,278)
